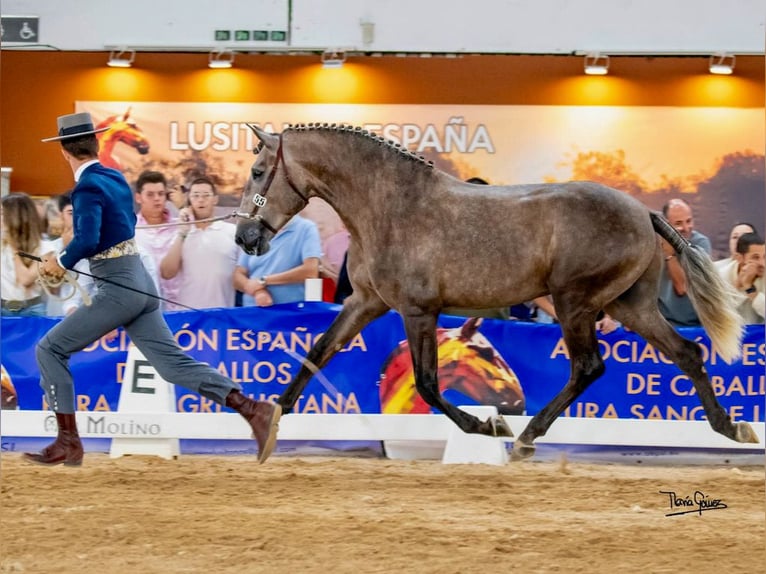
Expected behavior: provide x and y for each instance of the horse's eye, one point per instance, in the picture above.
(257, 172)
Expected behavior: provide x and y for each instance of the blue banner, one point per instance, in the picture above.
(517, 366)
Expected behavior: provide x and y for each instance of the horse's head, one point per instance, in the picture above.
(270, 196)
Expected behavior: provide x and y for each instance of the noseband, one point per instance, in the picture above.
(259, 199)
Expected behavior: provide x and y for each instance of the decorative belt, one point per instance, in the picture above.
(11, 305)
(127, 247)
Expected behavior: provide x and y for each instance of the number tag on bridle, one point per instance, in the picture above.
(259, 200)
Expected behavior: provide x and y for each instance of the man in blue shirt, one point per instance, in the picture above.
(674, 301)
(103, 229)
(278, 276)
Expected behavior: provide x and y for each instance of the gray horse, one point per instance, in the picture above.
(422, 240)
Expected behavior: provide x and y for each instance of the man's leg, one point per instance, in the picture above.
(153, 337)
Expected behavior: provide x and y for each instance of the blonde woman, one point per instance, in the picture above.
(21, 295)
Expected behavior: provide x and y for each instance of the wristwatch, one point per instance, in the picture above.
(262, 280)
(750, 290)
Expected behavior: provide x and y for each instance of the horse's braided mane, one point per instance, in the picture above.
(361, 132)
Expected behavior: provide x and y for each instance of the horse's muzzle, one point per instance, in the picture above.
(252, 237)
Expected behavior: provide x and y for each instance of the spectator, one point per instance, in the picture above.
(343, 288)
(151, 194)
(56, 299)
(22, 295)
(674, 302)
(738, 230)
(745, 273)
(278, 275)
(334, 251)
(205, 251)
(50, 218)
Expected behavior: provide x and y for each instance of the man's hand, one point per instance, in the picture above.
(606, 325)
(50, 267)
(748, 273)
(185, 215)
(263, 298)
(667, 249)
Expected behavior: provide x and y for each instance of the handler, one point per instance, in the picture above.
(104, 224)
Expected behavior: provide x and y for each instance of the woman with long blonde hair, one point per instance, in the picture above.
(21, 295)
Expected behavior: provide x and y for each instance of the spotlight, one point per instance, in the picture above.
(722, 64)
(596, 64)
(333, 58)
(122, 58)
(220, 59)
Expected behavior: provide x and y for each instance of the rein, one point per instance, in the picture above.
(259, 199)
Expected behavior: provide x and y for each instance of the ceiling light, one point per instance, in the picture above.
(596, 64)
(220, 59)
(333, 58)
(122, 58)
(721, 63)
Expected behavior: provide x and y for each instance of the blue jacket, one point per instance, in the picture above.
(102, 203)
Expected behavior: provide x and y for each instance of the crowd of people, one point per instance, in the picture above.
(195, 263)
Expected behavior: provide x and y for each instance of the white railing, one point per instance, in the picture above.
(370, 427)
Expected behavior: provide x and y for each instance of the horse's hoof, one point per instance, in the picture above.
(745, 433)
(500, 426)
(522, 450)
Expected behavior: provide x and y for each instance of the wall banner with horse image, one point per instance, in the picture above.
(631, 148)
(512, 365)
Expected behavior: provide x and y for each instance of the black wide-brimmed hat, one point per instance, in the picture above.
(74, 126)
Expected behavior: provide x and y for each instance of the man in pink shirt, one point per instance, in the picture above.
(151, 194)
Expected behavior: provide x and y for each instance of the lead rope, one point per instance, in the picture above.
(70, 277)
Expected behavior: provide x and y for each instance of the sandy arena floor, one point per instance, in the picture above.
(220, 514)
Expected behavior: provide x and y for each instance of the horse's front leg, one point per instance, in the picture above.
(358, 310)
(421, 335)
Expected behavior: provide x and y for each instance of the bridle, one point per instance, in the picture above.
(259, 199)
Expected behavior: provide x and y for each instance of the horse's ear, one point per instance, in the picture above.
(266, 137)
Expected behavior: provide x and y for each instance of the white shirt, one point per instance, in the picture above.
(752, 311)
(10, 289)
(207, 263)
(156, 242)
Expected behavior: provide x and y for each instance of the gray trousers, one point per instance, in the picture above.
(142, 319)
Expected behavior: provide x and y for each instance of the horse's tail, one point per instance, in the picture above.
(713, 298)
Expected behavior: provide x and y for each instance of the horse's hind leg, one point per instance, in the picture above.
(639, 312)
(421, 335)
(586, 366)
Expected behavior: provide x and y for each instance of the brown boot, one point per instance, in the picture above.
(263, 418)
(66, 449)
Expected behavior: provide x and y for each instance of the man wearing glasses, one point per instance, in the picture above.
(203, 252)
